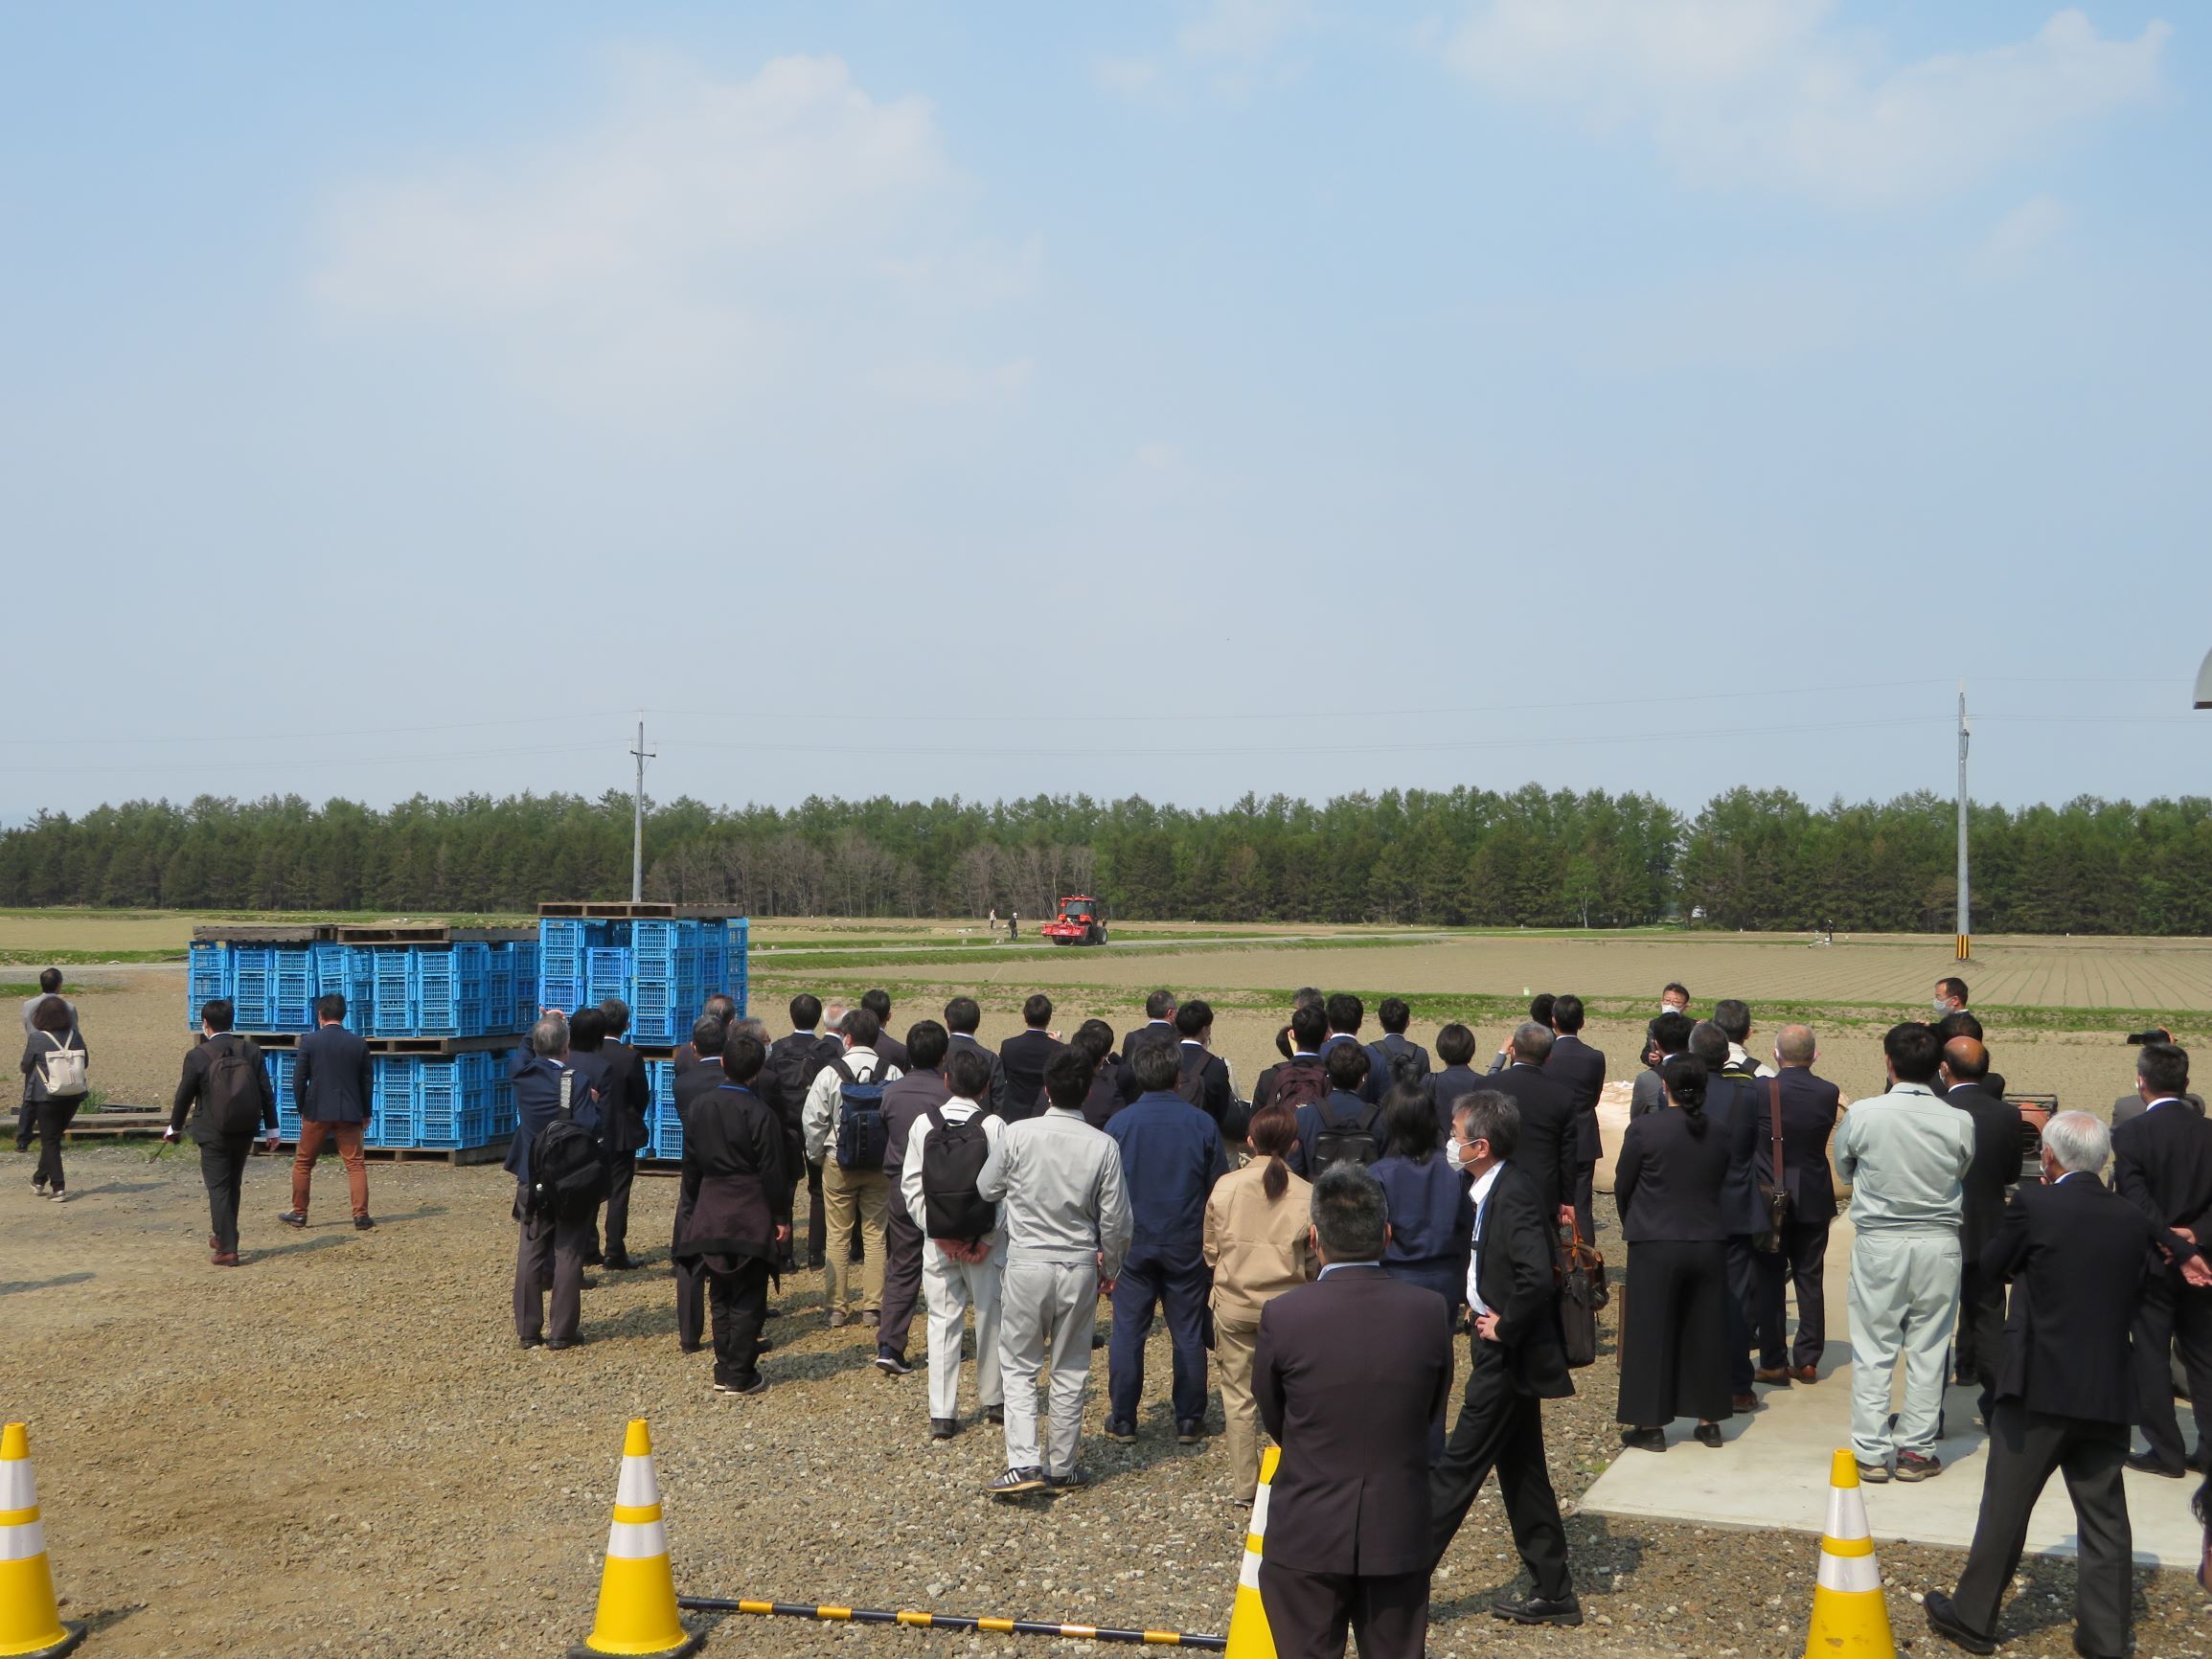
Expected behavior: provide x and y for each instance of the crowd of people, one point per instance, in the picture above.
(1315, 1246)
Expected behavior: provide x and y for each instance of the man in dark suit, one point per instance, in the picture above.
(888, 1048)
(1394, 1048)
(1159, 1027)
(2163, 1166)
(723, 1009)
(1447, 1088)
(1963, 1023)
(1346, 1014)
(549, 1249)
(225, 1077)
(2078, 1256)
(1978, 1348)
(1808, 1108)
(587, 1053)
(1548, 1137)
(1201, 1076)
(1517, 1361)
(905, 1100)
(1301, 1077)
(628, 1101)
(709, 1033)
(963, 1014)
(1582, 1070)
(797, 1057)
(334, 1094)
(1023, 1058)
(1349, 1372)
(1735, 1103)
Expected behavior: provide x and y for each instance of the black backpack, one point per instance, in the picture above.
(953, 1157)
(232, 1098)
(1190, 1079)
(863, 1137)
(796, 1067)
(567, 1173)
(1353, 1141)
(1300, 1083)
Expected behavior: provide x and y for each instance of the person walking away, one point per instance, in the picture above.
(710, 1035)
(55, 1061)
(1669, 1036)
(1258, 1246)
(737, 1204)
(1808, 1108)
(628, 1099)
(1345, 1126)
(2078, 1258)
(1737, 1107)
(846, 1134)
(1431, 1228)
(1667, 1182)
(1582, 1070)
(228, 1084)
(1201, 1076)
(1023, 1056)
(1068, 1229)
(49, 984)
(1978, 1347)
(964, 1252)
(551, 1236)
(1516, 1360)
(1906, 1155)
(333, 1092)
(1349, 1372)
(2163, 1166)
(920, 1087)
(963, 1017)
(1170, 1156)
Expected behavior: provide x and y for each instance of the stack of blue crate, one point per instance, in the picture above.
(665, 1131)
(664, 967)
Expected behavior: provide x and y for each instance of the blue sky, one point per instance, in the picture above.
(1182, 399)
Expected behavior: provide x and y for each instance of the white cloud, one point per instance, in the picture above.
(2016, 237)
(706, 236)
(1769, 92)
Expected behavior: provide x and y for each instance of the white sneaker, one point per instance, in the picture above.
(60, 1196)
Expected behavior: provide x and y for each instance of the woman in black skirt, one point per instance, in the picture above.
(1674, 1337)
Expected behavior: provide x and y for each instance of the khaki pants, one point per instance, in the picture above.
(312, 1136)
(1233, 1344)
(846, 1193)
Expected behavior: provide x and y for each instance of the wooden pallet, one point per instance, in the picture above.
(149, 1125)
(498, 1042)
(643, 909)
(432, 933)
(264, 933)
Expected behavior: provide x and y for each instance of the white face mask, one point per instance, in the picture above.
(1941, 1004)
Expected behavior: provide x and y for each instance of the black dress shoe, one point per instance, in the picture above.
(620, 1265)
(1539, 1610)
(944, 1427)
(1943, 1620)
(1709, 1433)
(364, 1224)
(2148, 1464)
(1643, 1439)
(994, 1414)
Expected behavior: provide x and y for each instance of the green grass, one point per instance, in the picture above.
(18, 957)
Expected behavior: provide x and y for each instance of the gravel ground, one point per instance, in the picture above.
(339, 1444)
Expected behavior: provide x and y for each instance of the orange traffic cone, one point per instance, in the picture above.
(1249, 1637)
(637, 1592)
(31, 1626)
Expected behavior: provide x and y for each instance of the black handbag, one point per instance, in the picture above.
(1583, 1291)
(1774, 1190)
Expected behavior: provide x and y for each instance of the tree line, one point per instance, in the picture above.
(1750, 858)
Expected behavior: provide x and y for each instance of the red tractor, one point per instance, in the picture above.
(1081, 920)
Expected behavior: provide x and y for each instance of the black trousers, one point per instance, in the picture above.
(741, 1304)
(1674, 1361)
(2172, 1316)
(1585, 1202)
(1742, 1311)
(222, 1165)
(1501, 1427)
(902, 1279)
(1766, 1314)
(691, 1288)
(53, 1118)
(1308, 1613)
(550, 1250)
(621, 1172)
(1804, 1259)
(2025, 1449)
(1979, 1342)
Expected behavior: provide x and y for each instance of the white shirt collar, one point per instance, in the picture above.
(2154, 1106)
(1484, 1183)
(1334, 1265)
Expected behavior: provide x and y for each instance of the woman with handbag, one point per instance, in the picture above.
(1667, 1181)
(54, 1063)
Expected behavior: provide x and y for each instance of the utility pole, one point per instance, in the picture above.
(637, 821)
(1965, 912)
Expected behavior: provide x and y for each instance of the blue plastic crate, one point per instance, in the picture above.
(253, 988)
(208, 978)
(667, 1136)
(607, 972)
(292, 993)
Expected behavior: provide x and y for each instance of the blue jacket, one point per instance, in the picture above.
(330, 1082)
(1431, 1223)
(1171, 1158)
(536, 1098)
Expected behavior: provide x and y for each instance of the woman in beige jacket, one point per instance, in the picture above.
(1256, 1244)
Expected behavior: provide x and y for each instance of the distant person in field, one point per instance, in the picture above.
(921, 1087)
(332, 1091)
(54, 1072)
(1810, 1106)
(1906, 1155)
(962, 1018)
(226, 1089)
(1669, 1036)
(1581, 1069)
(1023, 1056)
(49, 984)
(1978, 1349)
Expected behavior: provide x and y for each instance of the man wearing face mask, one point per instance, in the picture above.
(1673, 1000)
(1519, 1361)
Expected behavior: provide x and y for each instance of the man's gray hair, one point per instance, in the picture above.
(2079, 1142)
(755, 1028)
(1533, 1043)
(1709, 1043)
(549, 1038)
(1489, 1115)
(1351, 1214)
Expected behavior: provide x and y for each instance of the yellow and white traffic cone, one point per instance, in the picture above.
(1249, 1637)
(637, 1592)
(31, 1626)
(1850, 1618)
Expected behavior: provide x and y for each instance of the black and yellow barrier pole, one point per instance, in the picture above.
(950, 1622)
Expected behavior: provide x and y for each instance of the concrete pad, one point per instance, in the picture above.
(1773, 1472)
